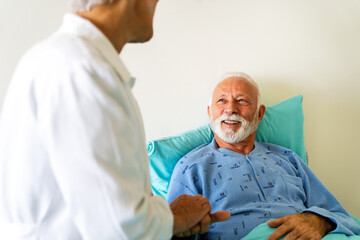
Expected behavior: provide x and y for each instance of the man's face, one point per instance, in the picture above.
(142, 22)
(233, 113)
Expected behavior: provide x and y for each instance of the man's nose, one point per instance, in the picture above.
(231, 108)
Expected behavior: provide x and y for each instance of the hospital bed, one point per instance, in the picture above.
(282, 125)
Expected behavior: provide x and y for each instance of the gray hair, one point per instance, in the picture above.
(239, 75)
(86, 5)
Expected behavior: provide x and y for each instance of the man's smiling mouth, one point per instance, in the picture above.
(230, 122)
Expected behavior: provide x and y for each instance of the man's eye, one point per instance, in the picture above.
(243, 101)
(221, 100)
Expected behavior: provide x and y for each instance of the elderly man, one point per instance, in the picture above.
(255, 181)
(73, 161)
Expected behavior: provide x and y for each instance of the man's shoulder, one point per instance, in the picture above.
(280, 151)
(195, 160)
(200, 151)
(273, 147)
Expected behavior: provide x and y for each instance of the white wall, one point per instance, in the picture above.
(22, 24)
(289, 47)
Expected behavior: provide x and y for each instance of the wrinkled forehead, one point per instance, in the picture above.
(236, 86)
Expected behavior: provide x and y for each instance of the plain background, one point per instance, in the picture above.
(289, 47)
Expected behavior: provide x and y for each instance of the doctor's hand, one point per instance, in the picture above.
(190, 211)
(301, 226)
(204, 224)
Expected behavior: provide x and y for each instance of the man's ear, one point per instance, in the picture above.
(208, 111)
(261, 113)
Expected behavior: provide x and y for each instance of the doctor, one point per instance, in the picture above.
(73, 162)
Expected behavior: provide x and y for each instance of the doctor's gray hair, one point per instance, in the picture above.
(239, 75)
(86, 5)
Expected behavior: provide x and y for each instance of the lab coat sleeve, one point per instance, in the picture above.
(95, 143)
(320, 201)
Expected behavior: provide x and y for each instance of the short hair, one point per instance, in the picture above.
(86, 5)
(239, 75)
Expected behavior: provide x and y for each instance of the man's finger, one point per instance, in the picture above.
(205, 223)
(204, 202)
(195, 229)
(277, 222)
(188, 211)
(179, 235)
(220, 216)
(187, 233)
(280, 231)
(294, 235)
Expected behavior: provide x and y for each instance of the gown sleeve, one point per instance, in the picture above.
(319, 200)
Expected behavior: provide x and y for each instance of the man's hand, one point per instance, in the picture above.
(300, 226)
(191, 213)
(204, 224)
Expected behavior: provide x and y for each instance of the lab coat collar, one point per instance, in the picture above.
(82, 27)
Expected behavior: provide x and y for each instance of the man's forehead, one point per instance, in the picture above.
(228, 94)
(235, 85)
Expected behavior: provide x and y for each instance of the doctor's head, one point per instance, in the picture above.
(122, 21)
(235, 108)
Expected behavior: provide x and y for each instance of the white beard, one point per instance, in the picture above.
(229, 135)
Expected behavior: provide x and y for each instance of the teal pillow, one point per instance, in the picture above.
(282, 125)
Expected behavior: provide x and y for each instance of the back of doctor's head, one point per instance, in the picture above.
(86, 5)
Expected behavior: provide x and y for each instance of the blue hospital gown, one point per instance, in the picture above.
(270, 182)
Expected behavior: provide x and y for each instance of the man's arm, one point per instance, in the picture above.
(324, 213)
(301, 225)
(179, 186)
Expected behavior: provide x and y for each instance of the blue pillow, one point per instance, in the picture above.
(282, 125)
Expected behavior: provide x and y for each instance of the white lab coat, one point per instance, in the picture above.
(73, 161)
